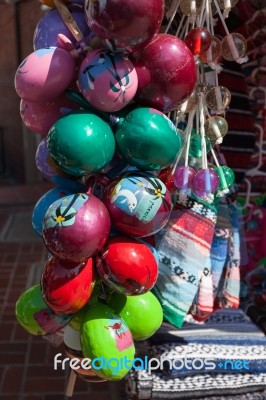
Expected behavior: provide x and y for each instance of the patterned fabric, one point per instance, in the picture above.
(184, 253)
(158, 386)
(227, 333)
(229, 291)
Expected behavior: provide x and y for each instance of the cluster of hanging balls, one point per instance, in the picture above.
(106, 142)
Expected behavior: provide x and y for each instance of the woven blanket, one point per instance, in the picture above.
(227, 333)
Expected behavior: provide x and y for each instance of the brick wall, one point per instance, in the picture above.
(15, 148)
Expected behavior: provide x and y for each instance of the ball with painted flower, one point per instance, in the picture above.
(139, 204)
(107, 80)
(75, 227)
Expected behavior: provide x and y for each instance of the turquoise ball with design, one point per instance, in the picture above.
(81, 143)
(147, 139)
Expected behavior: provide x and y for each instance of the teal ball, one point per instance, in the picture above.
(81, 143)
(147, 139)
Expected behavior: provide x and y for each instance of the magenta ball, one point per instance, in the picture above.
(76, 227)
(44, 75)
(51, 24)
(127, 24)
(40, 117)
(184, 177)
(139, 204)
(107, 80)
(166, 73)
(198, 40)
(206, 182)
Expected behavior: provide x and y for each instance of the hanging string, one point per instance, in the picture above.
(172, 16)
(187, 131)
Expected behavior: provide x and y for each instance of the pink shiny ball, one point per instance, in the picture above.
(206, 181)
(75, 227)
(184, 177)
(40, 117)
(44, 75)
(127, 24)
(166, 72)
(107, 80)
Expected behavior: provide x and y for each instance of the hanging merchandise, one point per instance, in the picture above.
(121, 92)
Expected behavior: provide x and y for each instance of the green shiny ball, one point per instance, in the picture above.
(195, 149)
(81, 143)
(227, 177)
(105, 334)
(143, 314)
(147, 139)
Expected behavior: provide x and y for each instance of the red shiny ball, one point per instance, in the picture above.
(128, 266)
(198, 40)
(67, 287)
(127, 24)
(166, 73)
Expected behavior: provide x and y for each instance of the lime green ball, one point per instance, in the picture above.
(143, 314)
(106, 338)
(81, 143)
(29, 303)
(227, 177)
(195, 149)
(147, 139)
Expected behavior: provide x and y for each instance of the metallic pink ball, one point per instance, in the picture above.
(127, 24)
(76, 227)
(166, 72)
(107, 80)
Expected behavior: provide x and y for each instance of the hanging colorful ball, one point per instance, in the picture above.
(128, 266)
(52, 24)
(81, 143)
(35, 316)
(205, 182)
(143, 314)
(39, 77)
(75, 227)
(184, 178)
(50, 170)
(198, 40)
(226, 176)
(213, 52)
(104, 335)
(216, 128)
(139, 204)
(147, 139)
(43, 204)
(107, 80)
(40, 117)
(128, 25)
(166, 73)
(234, 46)
(218, 99)
(195, 147)
(67, 287)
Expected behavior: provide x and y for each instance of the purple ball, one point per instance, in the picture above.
(205, 183)
(76, 227)
(51, 24)
(184, 177)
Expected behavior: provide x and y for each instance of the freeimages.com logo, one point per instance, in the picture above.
(151, 364)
